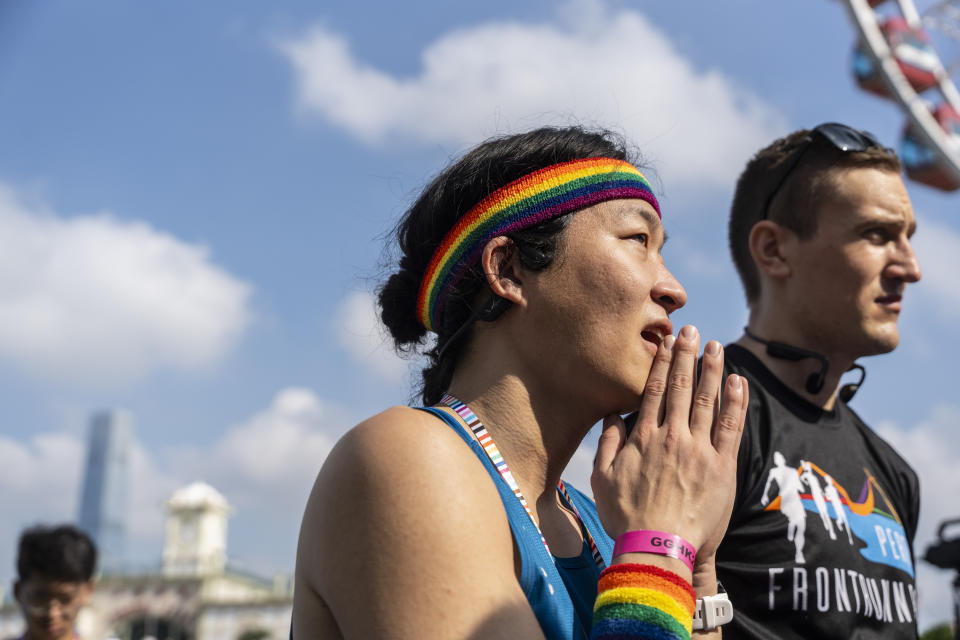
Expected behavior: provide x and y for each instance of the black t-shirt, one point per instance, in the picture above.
(820, 540)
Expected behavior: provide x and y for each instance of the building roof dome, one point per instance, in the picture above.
(196, 496)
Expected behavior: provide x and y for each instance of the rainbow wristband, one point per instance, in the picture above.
(659, 542)
(641, 601)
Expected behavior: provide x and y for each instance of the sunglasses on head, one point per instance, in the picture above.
(842, 137)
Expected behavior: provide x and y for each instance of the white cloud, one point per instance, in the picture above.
(360, 332)
(588, 65)
(40, 476)
(265, 466)
(97, 300)
(268, 462)
(938, 249)
(923, 446)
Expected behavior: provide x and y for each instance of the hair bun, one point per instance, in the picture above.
(397, 300)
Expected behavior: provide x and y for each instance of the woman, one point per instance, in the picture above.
(535, 259)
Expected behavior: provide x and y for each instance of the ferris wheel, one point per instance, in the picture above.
(900, 56)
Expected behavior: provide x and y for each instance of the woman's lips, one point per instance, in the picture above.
(890, 303)
(653, 337)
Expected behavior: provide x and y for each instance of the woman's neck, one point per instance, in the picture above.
(535, 439)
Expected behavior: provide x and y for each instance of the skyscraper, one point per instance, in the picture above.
(103, 504)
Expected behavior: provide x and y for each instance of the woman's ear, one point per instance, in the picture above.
(500, 265)
(769, 245)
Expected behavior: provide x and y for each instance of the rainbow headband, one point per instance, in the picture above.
(536, 197)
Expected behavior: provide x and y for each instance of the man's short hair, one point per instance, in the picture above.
(797, 203)
(62, 553)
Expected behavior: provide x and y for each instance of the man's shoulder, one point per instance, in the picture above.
(743, 363)
(739, 360)
(882, 448)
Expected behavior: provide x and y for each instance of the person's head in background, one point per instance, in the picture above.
(55, 570)
(820, 232)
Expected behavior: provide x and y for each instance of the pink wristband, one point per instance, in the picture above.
(659, 542)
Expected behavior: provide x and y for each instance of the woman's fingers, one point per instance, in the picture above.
(612, 437)
(706, 399)
(733, 412)
(744, 405)
(674, 396)
(682, 376)
(656, 388)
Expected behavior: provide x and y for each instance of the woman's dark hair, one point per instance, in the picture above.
(62, 553)
(449, 196)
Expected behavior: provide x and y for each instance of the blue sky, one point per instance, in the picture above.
(193, 200)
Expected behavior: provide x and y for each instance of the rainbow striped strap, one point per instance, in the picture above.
(534, 198)
(642, 601)
(490, 448)
(493, 453)
(594, 550)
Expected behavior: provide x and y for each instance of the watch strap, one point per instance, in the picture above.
(712, 611)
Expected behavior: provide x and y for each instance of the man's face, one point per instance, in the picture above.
(50, 607)
(848, 279)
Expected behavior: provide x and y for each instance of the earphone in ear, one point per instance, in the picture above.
(493, 308)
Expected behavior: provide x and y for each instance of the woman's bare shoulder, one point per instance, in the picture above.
(401, 506)
(400, 466)
(402, 450)
(399, 437)
(401, 494)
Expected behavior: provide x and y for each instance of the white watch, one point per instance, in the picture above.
(712, 611)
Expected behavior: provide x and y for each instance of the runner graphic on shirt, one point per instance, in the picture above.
(871, 523)
(788, 484)
(808, 478)
(831, 493)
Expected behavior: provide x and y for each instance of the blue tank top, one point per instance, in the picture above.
(561, 591)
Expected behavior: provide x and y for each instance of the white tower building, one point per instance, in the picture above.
(196, 535)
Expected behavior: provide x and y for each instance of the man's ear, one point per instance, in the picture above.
(500, 265)
(770, 247)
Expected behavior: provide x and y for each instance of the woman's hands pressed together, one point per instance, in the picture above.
(676, 471)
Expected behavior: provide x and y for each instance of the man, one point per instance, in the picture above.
(820, 233)
(55, 567)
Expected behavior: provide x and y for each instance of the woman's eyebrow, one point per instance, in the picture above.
(629, 211)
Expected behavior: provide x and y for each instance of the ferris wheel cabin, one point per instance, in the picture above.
(913, 51)
(922, 163)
